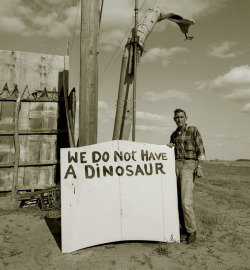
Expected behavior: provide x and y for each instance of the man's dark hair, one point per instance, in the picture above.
(178, 111)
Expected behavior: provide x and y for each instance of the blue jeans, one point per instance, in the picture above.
(185, 184)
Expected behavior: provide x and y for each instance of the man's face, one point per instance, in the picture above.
(180, 119)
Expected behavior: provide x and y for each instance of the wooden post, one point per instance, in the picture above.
(88, 98)
(72, 109)
(17, 144)
(66, 102)
(118, 131)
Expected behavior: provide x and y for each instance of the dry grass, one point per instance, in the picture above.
(223, 202)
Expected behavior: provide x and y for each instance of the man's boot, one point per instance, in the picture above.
(191, 237)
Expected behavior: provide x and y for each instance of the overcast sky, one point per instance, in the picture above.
(209, 77)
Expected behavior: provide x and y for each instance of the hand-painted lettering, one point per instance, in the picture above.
(82, 157)
(159, 167)
(89, 171)
(70, 171)
(96, 156)
(72, 158)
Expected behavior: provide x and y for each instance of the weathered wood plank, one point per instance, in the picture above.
(27, 164)
(25, 187)
(35, 70)
(40, 99)
(37, 193)
(33, 131)
(23, 116)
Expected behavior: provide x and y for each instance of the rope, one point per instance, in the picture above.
(75, 27)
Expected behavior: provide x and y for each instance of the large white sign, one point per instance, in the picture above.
(118, 190)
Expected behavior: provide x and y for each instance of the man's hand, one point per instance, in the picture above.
(170, 145)
(199, 172)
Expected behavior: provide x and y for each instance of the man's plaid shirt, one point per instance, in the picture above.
(188, 143)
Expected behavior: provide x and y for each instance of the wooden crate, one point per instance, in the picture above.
(36, 82)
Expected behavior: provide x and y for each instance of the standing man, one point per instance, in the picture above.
(189, 153)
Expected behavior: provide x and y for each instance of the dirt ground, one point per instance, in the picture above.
(222, 206)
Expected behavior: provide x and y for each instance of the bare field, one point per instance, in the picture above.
(222, 206)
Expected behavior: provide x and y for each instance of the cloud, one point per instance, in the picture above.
(102, 105)
(152, 128)
(163, 56)
(233, 85)
(11, 17)
(152, 122)
(55, 18)
(37, 18)
(200, 85)
(194, 8)
(110, 40)
(150, 116)
(240, 95)
(12, 26)
(222, 50)
(236, 77)
(246, 108)
(167, 95)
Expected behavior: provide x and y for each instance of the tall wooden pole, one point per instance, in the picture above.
(88, 98)
(135, 69)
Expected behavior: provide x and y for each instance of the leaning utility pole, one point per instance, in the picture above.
(135, 69)
(126, 101)
(88, 98)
